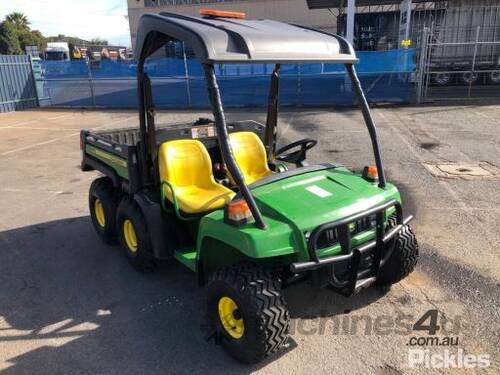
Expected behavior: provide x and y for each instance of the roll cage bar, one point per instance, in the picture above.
(206, 38)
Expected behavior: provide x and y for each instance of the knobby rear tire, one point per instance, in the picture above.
(142, 258)
(102, 189)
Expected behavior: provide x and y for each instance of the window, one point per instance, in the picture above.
(158, 3)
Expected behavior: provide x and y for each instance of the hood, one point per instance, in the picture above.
(319, 197)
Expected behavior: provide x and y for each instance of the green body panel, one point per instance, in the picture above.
(114, 161)
(186, 257)
(294, 206)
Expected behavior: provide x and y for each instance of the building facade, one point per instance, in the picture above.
(376, 25)
(292, 11)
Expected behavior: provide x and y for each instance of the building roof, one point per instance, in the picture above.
(323, 4)
(227, 40)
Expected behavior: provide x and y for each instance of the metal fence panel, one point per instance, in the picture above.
(460, 53)
(17, 84)
(445, 74)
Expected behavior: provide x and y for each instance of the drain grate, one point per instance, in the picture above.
(481, 170)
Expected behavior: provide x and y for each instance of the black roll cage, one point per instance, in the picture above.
(148, 152)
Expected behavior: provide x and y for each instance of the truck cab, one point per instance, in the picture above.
(57, 51)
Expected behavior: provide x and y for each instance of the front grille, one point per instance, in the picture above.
(329, 237)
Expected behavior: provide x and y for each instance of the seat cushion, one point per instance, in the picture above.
(250, 154)
(186, 165)
(194, 199)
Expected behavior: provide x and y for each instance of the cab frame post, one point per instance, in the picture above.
(365, 109)
(272, 113)
(225, 146)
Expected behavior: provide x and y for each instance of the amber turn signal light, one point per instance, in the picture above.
(370, 173)
(237, 212)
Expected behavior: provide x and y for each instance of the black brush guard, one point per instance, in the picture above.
(378, 248)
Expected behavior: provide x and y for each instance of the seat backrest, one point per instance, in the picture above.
(185, 162)
(250, 154)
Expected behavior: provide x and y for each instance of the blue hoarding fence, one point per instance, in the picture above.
(386, 76)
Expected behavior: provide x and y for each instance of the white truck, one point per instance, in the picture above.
(57, 51)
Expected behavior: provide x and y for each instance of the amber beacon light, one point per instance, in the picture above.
(222, 13)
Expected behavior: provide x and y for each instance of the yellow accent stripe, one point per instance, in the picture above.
(111, 157)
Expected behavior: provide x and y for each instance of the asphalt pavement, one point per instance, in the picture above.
(69, 304)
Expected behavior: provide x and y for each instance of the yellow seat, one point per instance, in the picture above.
(186, 166)
(250, 154)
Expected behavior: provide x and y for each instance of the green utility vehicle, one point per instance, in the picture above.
(218, 197)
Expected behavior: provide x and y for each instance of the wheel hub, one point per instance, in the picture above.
(99, 213)
(442, 78)
(495, 77)
(230, 317)
(470, 77)
(130, 235)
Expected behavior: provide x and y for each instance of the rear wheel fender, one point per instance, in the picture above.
(162, 231)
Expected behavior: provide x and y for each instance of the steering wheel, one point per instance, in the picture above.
(296, 157)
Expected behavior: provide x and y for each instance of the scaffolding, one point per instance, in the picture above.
(457, 41)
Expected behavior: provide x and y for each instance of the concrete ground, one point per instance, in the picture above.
(69, 304)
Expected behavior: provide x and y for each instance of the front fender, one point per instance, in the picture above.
(277, 240)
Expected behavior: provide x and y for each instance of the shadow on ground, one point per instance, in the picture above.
(78, 307)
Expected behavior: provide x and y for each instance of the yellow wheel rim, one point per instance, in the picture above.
(99, 213)
(230, 317)
(130, 236)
